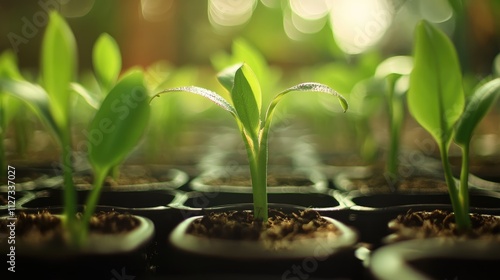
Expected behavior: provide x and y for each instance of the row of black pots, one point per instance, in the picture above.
(367, 213)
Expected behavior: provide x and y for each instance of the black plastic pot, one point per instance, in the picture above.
(104, 256)
(186, 258)
(437, 258)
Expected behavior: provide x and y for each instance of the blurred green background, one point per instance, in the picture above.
(289, 33)
(336, 42)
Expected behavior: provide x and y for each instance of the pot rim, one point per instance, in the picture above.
(256, 250)
(401, 253)
(98, 243)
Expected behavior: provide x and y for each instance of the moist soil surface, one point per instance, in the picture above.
(33, 227)
(280, 226)
(441, 223)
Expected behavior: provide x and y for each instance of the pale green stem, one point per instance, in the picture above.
(70, 201)
(257, 155)
(464, 179)
(93, 198)
(461, 214)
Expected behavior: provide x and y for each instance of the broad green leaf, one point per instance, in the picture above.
(58, 65)
(435, 97)
(247, 99)
(478, 106)
(304, 87)
(119, 123)
(107, 60)
(35, 98)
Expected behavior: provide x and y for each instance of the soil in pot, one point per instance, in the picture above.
(441, 223)
(428, 245)
(282, 246)
(40, 246)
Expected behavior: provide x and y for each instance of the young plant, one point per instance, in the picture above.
(436, 100)
(114, 131)
(9, 106)
(245, 92)
(394, 72)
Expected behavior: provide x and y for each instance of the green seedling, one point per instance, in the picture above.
(119, 121)
(394, 71)
(436, 100)
(245, 92)
(114, 132)
(9, 106)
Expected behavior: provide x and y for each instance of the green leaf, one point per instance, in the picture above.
(85, 94)
(247, 99)
(9, 106)
(35, 98)
(8, 66)
(119, 123)
(496, 65)
(478, 106)
(305, 87)
(401, 65)
(107, 61)
(435, 97)
(58, 65)
(212, 96)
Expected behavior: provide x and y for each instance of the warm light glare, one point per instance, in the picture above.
(155, 10)
(226, 13)
(310, 9)
(74, 9)
(436, 10)
(357, 25)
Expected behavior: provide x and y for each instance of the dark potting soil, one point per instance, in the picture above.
(279, 228)
(441, 223)
(33, 227)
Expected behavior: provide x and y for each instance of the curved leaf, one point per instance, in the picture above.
(85, 94)
(435, 97)
(401, 65)
(480, 103)
(35, 97)
(107, 61)
(58, 66)
(308, 87)
(212, 96)
(119, 123)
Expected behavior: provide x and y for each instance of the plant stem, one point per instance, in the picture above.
(70, 203)
(464, 179)
(3, 134)
(91, 203)
(461, 214)
(257, 155)
(396, 113)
